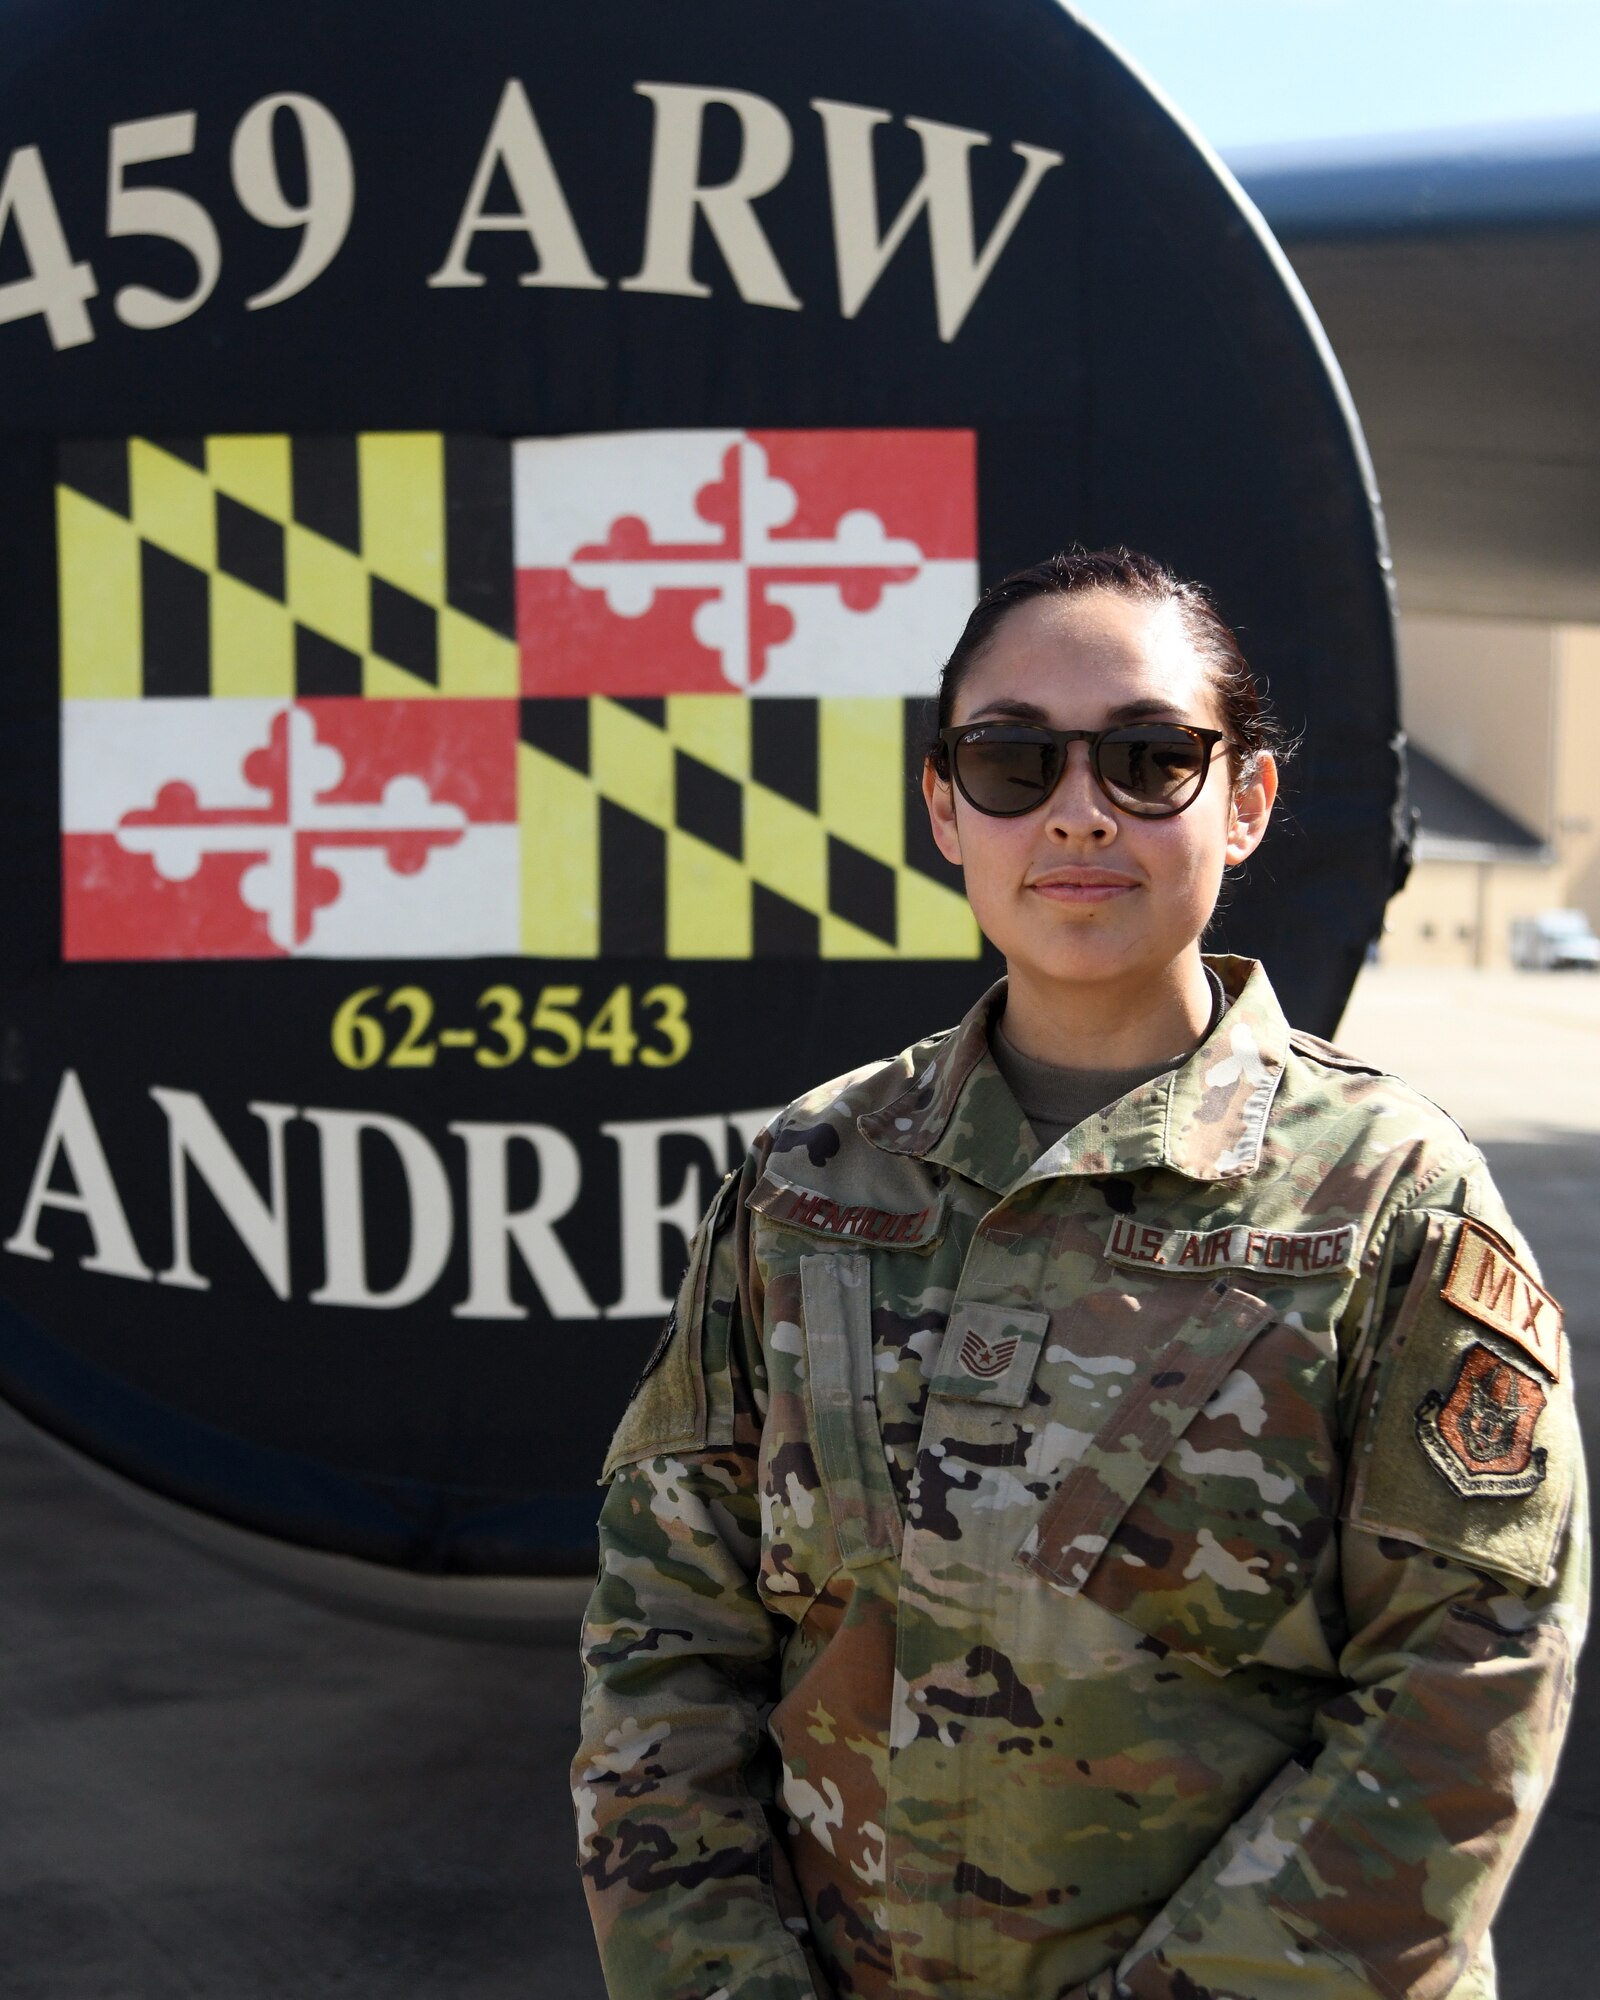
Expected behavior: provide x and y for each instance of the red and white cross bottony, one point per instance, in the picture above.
(262, 829)
(755, 562)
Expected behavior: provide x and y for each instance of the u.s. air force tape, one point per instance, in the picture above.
(1288, 1252)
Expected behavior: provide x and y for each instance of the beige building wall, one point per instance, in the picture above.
(1480, 694)
(1513, 707)
(1434, 919)
(1460, 912)
(1577, 766)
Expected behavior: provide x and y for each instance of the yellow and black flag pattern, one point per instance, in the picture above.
(717, 826)
(238, 577)
(285, 567)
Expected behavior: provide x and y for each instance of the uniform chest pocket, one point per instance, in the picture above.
(1197, 1511)
(827, 1498)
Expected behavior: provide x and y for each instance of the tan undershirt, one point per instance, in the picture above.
(1054, 1098)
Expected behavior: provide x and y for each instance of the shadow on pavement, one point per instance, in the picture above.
(217, 1791)
(1548, 1934)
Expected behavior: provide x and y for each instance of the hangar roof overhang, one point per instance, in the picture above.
(1459, 283)
(1456, 822)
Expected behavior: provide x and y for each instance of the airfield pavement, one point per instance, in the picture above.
(213, 1791)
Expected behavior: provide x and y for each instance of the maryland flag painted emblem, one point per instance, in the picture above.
(403, 695)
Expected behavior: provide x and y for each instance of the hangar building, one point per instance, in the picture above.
(1459, 283)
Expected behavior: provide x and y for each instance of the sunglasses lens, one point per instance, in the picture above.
(1151, 769)
(1006, 768)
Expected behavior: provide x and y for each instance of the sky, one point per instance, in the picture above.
(1276, 74)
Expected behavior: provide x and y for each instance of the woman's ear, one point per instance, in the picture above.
(941, 799)
(1252, 807)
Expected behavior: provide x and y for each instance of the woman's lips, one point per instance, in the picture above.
(1082, 885)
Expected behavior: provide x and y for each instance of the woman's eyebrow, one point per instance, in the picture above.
(1140, 711)
(1021, 711)
(1128, 711)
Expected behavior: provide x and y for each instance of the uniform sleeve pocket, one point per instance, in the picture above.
(1467, 1440)
(668, 1410)
(1176, 1541)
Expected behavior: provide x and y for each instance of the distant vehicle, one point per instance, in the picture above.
(1554, 941)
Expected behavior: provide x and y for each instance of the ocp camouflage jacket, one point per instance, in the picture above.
(1153, 1568)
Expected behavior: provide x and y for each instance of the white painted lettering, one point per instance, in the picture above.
(960, 269)
(146, 210)
(677, 196)
(541, 214)
(646, 1209)
(659, 1203)
(344, 1230)
(494, 1227)
(72, 1139)
(55, 289)
(194, 1139)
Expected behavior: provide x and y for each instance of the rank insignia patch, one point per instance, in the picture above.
(1479, 1438)
(1494, 1288)
(989, 1354)
(984, 1358)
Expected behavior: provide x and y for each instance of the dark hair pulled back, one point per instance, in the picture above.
(1247, 717)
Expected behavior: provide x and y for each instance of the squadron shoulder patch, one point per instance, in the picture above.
(1492, 1287)
(1479, 1438)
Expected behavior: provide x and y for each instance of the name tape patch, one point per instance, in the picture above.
(856, 1221)
(1493, 1288)
(1288, 1252)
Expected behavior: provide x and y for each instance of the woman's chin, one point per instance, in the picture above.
(1082, 961)
(1091, 947)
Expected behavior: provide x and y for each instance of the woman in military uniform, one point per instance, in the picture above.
(1106, 1518)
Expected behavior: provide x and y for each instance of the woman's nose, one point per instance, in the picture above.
(1077, 808)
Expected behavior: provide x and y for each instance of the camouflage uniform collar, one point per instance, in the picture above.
(1206, 1119)
(958, 1110)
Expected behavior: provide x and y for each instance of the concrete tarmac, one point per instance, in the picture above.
(215, 1792)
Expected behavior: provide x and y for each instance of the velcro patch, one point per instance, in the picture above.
(1288, 1252)
(1480, 1436)
(1461, 1445)
(653, 1360)
(854, 1222)
(1493, 1287)
(989, 1353)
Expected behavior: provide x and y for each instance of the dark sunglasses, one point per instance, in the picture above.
(1152, 770)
